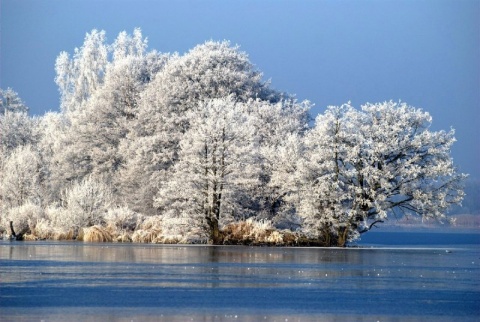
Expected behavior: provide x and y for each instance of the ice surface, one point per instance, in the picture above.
(54, 280)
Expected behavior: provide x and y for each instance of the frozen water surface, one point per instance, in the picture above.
(58, 281)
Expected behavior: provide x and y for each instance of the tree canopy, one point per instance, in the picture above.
(164, 147)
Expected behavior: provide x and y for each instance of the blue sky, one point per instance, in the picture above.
(425, 53)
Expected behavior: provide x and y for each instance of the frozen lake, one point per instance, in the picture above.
(59, 281)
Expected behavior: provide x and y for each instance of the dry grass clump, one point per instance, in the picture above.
(183, 228)
(197, 235)
(119, 236)
(170, 240)
(122, 222)
(275, 238)
(95, 234)
(122, 238)
(29, 237)
(237, 233)
(147, 236)
(151, 222)
(150, 231)
(251, 232)
(45, 231)
(60, 234)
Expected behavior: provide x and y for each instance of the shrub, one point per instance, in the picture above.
(122, 219)
(46, 230)
(86, 203)
(24, 218)
(57, 216)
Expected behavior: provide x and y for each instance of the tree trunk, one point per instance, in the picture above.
(16, 236)
(342, 236)
(215, 235)
(12, 231)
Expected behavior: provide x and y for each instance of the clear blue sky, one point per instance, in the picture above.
(425, 53)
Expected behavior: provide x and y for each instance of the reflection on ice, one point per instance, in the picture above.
(180, 281)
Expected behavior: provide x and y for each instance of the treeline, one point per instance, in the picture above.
(197, 148)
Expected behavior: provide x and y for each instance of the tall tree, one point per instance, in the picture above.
(53, 146)
(101, 117)
(218, 162)
(280, 127)
(79, 77)
(363, 165)
(211, 70)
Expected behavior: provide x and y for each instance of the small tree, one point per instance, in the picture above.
(16, 127)
(21, 177)
(11, 102)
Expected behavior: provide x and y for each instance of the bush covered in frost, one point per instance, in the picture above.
(24, 218)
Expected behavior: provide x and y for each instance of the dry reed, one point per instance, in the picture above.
(251, 232)
(151, 235)
(96, 234)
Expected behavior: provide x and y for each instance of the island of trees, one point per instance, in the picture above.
(197, 148)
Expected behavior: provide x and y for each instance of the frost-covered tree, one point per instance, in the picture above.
(407, 163)
(86, 204)
(105, 118)
(363, 165)
(21, 178)
(280, 187)
(208, 71)
(18, 133)
(53, 144)
(322, 189)
(144, 167)
(211, 70)
(126, 45)
(218, 162)
(198, 142)
(22, 170)
(16, 127)
(112, 111)
(279, 127)
(11, 102)
(80, 76)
